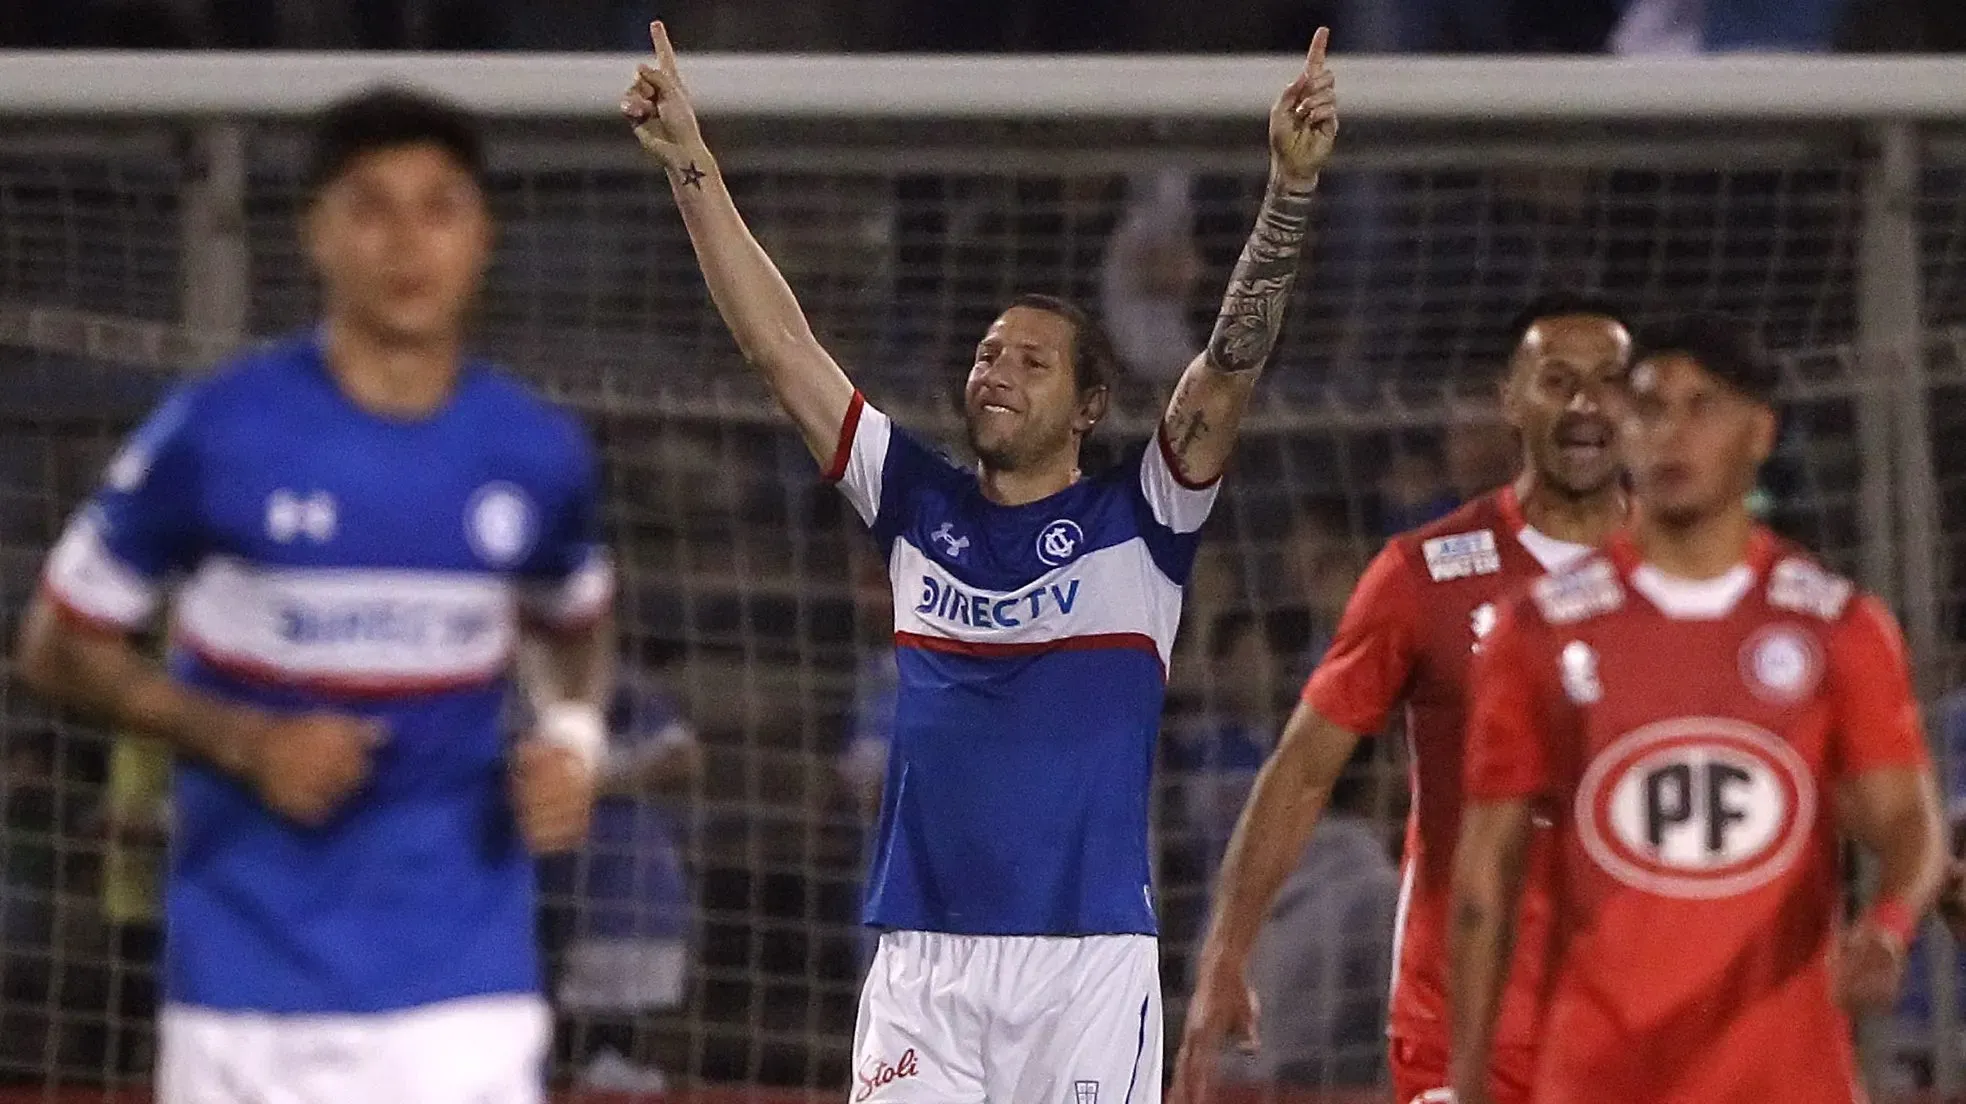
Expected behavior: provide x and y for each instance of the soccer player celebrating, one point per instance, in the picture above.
(1408, 635)
(1035, 609)
(1702, 711)
(371, 529)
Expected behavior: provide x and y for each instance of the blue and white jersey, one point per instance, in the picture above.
(1032, 645)
(334, 559)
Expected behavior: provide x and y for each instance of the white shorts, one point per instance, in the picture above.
(483, 1050)
(1009, 1019)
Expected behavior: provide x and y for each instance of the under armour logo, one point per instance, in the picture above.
(946, 537)
(1059, 541)
(290, 515)
(1482, 622)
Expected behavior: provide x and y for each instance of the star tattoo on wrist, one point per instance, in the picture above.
(693, 177)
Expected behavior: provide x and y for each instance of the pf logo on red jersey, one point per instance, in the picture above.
(1696, 807)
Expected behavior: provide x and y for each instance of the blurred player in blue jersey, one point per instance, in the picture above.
(1034, 612)
(371, 531)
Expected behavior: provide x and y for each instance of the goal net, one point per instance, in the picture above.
(753, 614)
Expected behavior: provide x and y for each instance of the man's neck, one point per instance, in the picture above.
(1016, 488)
(1702, 549)
(1579, 519)
(394, 380)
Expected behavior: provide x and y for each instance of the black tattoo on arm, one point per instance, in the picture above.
(1259, 291)
(693, 177)
(1186, 429)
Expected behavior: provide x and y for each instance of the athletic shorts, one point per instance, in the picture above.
(1009, 1019)
(482, 1050)
(1419, 1069)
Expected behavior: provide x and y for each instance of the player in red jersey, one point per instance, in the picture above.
(1703, 711)
(1407, 636)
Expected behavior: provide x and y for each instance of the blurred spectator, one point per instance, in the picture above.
(1213, 755)
(1322, 563)
(624, 900)
(1414, 489)
(863, 763)
(1481, 451)
(1915, 1026)
(1425, 26)
(1322, 963)
(134, 820)
(997, 26)
(1684, 27)
(1148, 278)
(28, 855)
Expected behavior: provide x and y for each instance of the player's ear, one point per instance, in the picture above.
(1767, 427)
(1508, 392)
(1092, 408)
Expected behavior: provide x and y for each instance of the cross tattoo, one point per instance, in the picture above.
(693, 177)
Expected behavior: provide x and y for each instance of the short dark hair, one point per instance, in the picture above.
(1557, 304)
(385, 118)
(1725, 348)
(1094, 361)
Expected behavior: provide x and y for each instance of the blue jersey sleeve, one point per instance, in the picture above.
(141, 527)
(1171, 510)
(883, 470)
(569, 579)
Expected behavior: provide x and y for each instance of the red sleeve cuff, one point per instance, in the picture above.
(1325, 697)
(843, 451)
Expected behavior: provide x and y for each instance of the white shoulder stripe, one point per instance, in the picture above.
(866, 463)
(83, 573)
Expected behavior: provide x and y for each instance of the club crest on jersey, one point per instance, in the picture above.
(1696, 808)
(291, 516)
(501, 524)
(945, 535)
(1462, 555)
(1781, 664)
(1059, 542)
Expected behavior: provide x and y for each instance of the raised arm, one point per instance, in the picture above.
(1206, 410)
(1290, 795)
(754, 299)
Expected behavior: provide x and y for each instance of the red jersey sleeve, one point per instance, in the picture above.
(1507, 755)
(1364, 673)
(1877, 723)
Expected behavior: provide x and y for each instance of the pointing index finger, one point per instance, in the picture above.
(664, 53)
(1314, 61)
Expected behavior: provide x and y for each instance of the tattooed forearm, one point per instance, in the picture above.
(1253, 308)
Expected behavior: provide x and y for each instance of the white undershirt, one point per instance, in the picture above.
(1553, 554)
(1694, 599)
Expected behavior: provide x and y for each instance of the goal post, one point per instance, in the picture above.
(148, 209)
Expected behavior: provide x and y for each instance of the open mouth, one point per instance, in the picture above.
(1583, 440)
